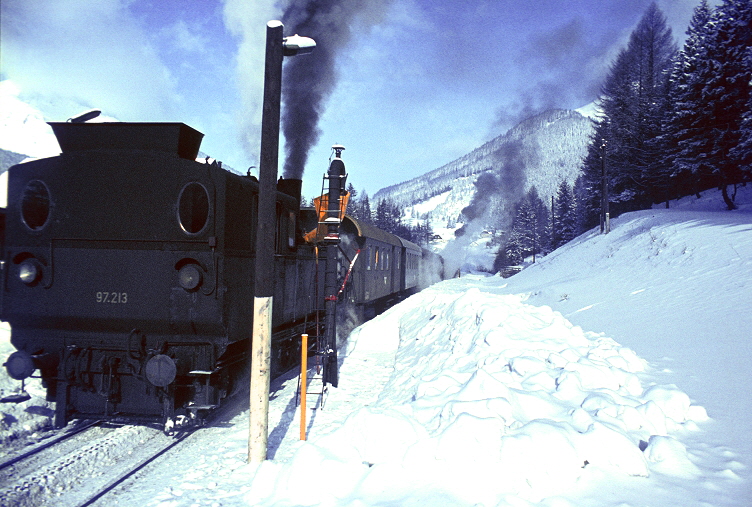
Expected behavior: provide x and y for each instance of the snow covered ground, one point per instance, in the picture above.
(613, 372)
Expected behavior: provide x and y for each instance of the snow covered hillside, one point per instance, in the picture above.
(22, 128)
(613, 372)
(541, 151)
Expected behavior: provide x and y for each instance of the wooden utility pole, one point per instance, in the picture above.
(267, 221)
(277, 48)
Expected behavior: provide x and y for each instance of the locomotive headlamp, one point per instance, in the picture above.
(30, 271)
(189, 277)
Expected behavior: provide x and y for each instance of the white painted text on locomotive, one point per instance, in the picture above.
(112, 297)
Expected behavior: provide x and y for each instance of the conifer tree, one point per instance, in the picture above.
(564, 216)
(389, 218)
(383, 219)
(366, 214)
(360, 206)
(542, 224)
(529, 234)
(727, 90)
(631, 103)
(580, 197)
(655, 53)
(743, 151)
(352, 204)
(686, 136)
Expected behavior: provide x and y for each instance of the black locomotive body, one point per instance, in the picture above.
(128, 278)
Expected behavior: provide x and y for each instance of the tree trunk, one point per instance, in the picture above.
(729, 203)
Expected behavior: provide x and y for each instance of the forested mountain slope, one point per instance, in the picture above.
(542, 151)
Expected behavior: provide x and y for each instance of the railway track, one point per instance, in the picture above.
(80, 469)
(44, 445)
(81, 466)
(130, 472)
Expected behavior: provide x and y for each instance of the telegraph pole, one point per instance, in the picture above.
(276, 48)
(605, 215)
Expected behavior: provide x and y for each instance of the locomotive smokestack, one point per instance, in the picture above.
(290, 186)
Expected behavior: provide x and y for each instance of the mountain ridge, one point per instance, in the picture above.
(566, 131)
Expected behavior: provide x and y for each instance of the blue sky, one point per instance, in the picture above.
(419, 84)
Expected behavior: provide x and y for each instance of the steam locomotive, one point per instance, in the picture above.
(128, 273)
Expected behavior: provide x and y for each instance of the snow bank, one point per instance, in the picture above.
(490, 397)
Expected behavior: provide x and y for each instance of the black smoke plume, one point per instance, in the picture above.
(310, 80)
(495, 189)
(498, 189)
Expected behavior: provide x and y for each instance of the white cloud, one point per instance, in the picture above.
(247, 21)
(186, 38)
(68, 54)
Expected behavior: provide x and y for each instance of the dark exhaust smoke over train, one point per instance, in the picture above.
(310, 80)
(498, 190)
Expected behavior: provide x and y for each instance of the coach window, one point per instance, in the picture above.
(368, 258)
(376, 259)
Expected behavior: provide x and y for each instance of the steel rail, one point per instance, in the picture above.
(46, 445)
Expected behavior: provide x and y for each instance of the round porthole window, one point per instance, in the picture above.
(193, 208)
(35, 205)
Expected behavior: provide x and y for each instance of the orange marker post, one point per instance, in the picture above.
(303, 385)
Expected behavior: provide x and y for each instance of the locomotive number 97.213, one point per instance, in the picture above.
(112, 297)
